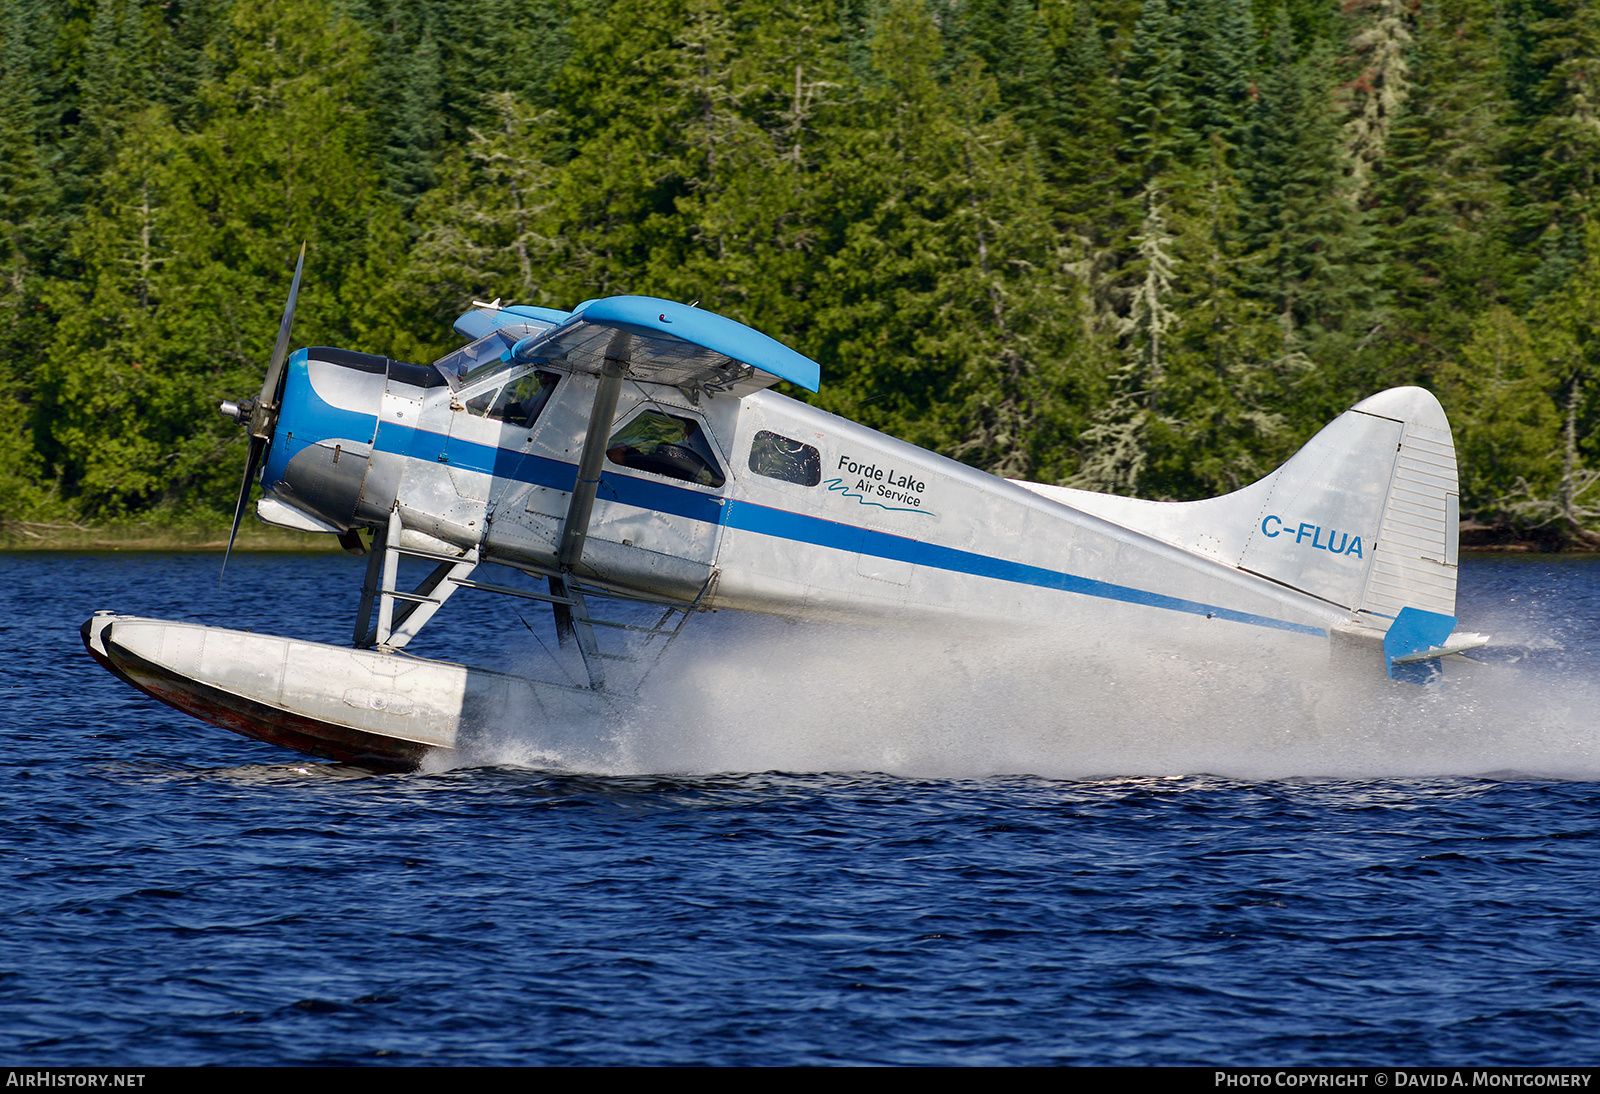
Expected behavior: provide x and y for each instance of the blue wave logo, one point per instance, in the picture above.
(861, 499)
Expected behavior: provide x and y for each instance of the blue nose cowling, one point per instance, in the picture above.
(322, 443)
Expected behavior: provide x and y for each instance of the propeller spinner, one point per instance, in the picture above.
(261, 413)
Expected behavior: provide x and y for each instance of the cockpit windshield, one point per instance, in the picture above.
(492, 352)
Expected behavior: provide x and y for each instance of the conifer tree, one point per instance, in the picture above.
(407, 115)
(27, 193)
(758, 225)
(28, 200)
(1554, 75)
(185, 260)
(283, 156)
(1526, 407)
(1309, 236)
(490, 228)
(1103, 238)
(119, 79)
(950, 323)
(1438, 197)
(115, 356)
(1219, 73)
(1080, 163)
(1154, 127)
(1012, 40)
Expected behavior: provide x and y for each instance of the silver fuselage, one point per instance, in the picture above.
(890, 529)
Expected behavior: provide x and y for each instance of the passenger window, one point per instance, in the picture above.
(519, 402)
(667, 445)
(778, 457)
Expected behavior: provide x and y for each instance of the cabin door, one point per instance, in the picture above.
(658, 512)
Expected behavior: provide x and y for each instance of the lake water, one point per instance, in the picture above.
(1396, 878)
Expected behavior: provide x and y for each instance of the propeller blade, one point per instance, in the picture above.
(273, 384)
(257, 446)
(264, 412)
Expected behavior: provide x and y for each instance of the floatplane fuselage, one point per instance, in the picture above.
(632, 451)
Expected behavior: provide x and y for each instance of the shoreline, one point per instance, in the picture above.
(28, 537)
(37, 536)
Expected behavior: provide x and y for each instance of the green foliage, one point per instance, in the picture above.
(1438, 197)
(1529, 409)
(953, 318)
(184, 257)
(1553, 71)
(1502, 402)
(1143, 246)
(488, 226)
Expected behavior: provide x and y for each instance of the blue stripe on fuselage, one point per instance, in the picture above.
(799, 528)
(823, 533)
(507, 463)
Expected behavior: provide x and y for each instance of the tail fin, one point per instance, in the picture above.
(1364, 516)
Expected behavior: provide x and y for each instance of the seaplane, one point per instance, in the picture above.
(630, 459)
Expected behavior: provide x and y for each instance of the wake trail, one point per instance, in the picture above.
(741, 693)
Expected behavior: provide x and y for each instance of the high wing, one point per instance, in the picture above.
(663, 342)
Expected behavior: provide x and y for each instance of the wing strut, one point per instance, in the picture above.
(575, 528)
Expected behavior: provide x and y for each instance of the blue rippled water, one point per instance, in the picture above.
(177, 895)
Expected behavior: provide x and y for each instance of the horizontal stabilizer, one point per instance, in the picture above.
(1417, 639)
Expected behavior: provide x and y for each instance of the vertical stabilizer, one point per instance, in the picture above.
(1364, 516)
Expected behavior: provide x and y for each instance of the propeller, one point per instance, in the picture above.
(261, 414)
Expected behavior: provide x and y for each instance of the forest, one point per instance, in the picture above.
(1147, 248)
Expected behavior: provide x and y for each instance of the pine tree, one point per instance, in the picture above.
(1155, 132)
(1012, 40)
(1554, 76)
(1080, 163)
(1155, 114)
(114, 358)
(1308, 236)
(186, 256)
(951, 321)
(27, 193)
(1219, 74)
(1525, 402)
(756, 227)
(283, 156)
(1437, 198)
(490, 228)
(28, 237)
(119, 78)
(407, 115)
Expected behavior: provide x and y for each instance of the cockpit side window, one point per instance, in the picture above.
(778, 457)
(667, 445)
(517, 403)
(522, 399)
